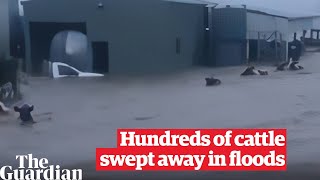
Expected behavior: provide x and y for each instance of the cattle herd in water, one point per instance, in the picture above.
(251, 71)
(25, 110)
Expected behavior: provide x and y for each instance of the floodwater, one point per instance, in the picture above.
(75, 116)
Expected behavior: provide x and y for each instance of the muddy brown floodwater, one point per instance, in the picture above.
(76, 116)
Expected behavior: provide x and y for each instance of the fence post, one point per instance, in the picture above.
(258, 55)
(45, 68)
(50, 69)
(287, 51)
(276, 44)
(281, 49)
(19, 76)
(248, 51)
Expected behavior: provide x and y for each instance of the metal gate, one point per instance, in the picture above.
(267, 47)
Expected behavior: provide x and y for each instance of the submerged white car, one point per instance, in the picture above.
(60, 70)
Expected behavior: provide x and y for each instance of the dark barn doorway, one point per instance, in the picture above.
(253, 50)
(41, 35)
(100, 53)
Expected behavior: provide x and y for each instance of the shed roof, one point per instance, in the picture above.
(268, 11)
(256, 10)
(193, 1)
(304, 17)
(206, 2)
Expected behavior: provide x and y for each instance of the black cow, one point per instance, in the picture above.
(251, 70)
(25, 113)
(212, 81)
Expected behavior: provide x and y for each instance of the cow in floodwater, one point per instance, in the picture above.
(25, 113)
(212, 81)
(251, 70)
(291, 65)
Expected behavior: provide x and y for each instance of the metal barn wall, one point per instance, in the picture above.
(4, 28)
(17, 43)
(142, 34)
(266, 23)
(228, 37)
(264, 29)
(298, 25)
(229, 23)
(316, 23)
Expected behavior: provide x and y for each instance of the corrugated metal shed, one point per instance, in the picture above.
(299, 24)
(141, 36)
(316, 23)
(192, 1)
(4, 30)
(237, 30)
(275, 8)
(265, 24)
(228, 32)
(229, 24)
(262, 21)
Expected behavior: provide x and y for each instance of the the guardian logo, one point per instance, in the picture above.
(38, 169)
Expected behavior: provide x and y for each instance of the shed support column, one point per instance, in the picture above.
(287, 51)
(276, 43)
(258, 48)
(248, 50)
(28, 61)
(281, 50)
(210, 38)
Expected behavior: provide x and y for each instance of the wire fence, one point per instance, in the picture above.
(266, 47)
